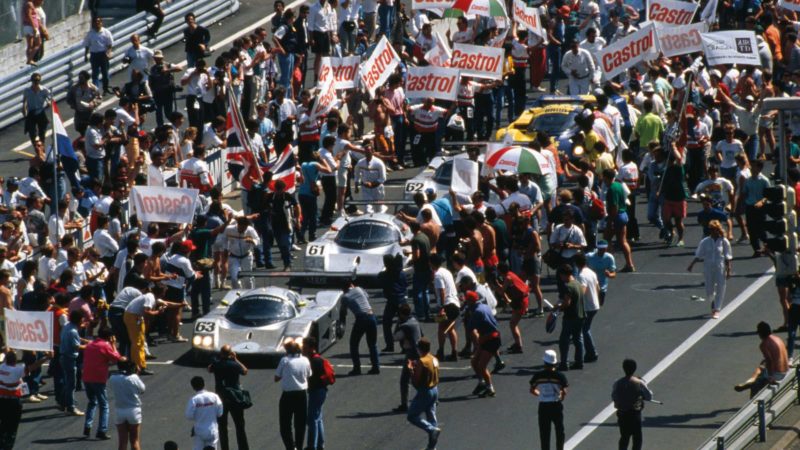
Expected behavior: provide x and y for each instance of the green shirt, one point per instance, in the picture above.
(615, 196)
(202, 239)
(649, 128)
(574, 290)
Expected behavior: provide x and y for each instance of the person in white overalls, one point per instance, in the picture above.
(371, 175)
(240, 240)
(716, 253)
(203, 410)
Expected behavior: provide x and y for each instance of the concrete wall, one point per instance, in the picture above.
(62, 35)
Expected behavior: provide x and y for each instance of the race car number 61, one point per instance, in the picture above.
(413, 187)
(315, 250)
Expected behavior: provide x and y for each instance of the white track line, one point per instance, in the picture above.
(350, 366)
(679, 351)
(228, 40)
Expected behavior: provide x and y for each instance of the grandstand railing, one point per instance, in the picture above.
(60, 70)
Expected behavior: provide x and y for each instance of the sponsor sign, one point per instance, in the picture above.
(344, 71)
(527, 17)
(379, 66)
(628, 51)
(29, 330)
(680, 40)
(432, 4)
(436, 82)
(792, 5)
(465, 176)
(440, 54)
(673, 12)
(731, 47)
(164, 204)
(325, 100)
(478, 61)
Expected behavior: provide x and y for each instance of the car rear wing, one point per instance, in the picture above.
(301, 278)
(352, 205)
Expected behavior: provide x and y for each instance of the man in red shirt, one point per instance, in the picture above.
(773, 367)
(98, 355)
(516, 293)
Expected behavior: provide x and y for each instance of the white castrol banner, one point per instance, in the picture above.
(478, 61)
(344, 71)
(432, 4)
(429, 81)
(527, 17)
(325, 99)
(628, 51)
(673, 12)
(164, 204)
(440, 54)
(379, 66)
(680, 40)
(731, 47)
(29, 330)
(792, 5)
(465, 176)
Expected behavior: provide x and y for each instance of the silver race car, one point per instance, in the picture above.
(437, 176)
(258, 322)
(366, 237)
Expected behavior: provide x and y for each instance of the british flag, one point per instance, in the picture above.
(284, 169)
(242, 161)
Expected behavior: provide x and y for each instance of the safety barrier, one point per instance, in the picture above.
(751, 422)
(60, 70)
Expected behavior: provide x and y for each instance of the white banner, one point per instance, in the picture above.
(792, 5)
(673, 12)
(628, 51)
(440, 54)
(29, 330)
(478, 61)
(465, 176)
(325, 100)
(344, 71)
(432, 4)
(680, 40)
(164, 204)
(731, 47)
(429, 81)
(527, 17)
(379, 66)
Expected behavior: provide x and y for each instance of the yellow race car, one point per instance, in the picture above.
(551, 114)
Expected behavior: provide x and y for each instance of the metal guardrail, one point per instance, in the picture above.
(60, 70)
(751, 422)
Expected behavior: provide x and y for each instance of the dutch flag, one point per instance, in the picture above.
(62, 141)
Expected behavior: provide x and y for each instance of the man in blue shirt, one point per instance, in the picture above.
(71, 344)
(604, 265)
(753, 194)
(709, 213)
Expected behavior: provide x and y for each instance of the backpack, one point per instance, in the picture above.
(597, 209)
(328, 376)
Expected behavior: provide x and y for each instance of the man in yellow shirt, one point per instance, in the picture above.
(425, 378)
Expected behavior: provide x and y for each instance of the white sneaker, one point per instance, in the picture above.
(296, 248)
(33, 399)
(41, 397)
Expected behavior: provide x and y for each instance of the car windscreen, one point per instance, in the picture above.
(367, 234)
(552, 124)
(444, 173)
(259, 311)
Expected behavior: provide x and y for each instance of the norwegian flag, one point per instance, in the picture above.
(242, 160)
(284, 169)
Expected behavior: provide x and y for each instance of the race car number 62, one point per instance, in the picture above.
(413, 187)
(314, 250)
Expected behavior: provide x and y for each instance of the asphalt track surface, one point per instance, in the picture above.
(690, 362)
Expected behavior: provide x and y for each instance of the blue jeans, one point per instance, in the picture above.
(191, 59)
(424, 403)
(95, 168)
(348, 40)
(419, 290)
(99, 63)
(286, 64)
(571, 330)
(316, 429)
(69, 369)
(399, 128)
(499, 93)
(284, 241)
(554, 64)
(793, 322)
(588, 340)
(385, 19)
(654, 208)
(97, 398)
(308, 205)
(201, 291)
(120, 331)
(751, 147)
(364, 324)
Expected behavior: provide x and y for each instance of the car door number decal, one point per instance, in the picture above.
(205, 327)
(316, 250)
(413, 187)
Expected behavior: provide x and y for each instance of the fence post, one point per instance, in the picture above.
(762, 422)
(797, 381)
(720, 443)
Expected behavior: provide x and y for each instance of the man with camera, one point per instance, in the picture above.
(162, 85)
(226, 369)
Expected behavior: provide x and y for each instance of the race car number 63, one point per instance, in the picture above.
(413, 187)
(315, 250)
(204, 327)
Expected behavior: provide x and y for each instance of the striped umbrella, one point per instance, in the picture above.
(516, 159)
(488, 8)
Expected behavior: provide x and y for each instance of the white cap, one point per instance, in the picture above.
(550, 357)
(715, 73)
(648, 88)
(750, 98)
